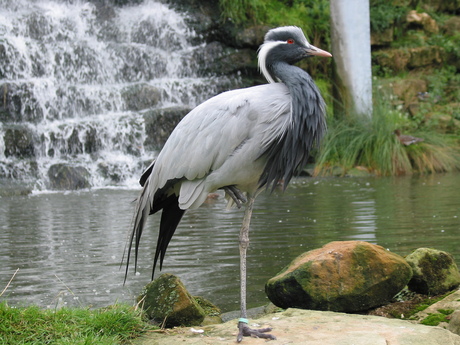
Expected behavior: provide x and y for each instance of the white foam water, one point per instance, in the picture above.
(65, 68)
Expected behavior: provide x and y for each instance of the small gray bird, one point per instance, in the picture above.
(241, 141)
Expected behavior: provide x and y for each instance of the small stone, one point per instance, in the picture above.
(435, 271)
(159, 123)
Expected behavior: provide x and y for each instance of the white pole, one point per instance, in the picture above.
(351, 49)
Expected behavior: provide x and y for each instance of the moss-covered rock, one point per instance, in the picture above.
(166, 300)
(423, 20)
(408, 88)
(426, 56)
(341, 276)
(435, 271)
(400, 59)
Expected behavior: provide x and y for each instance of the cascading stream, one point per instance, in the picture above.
(77, 81)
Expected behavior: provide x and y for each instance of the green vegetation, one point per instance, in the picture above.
(384, 14)
(313, 16)
(425, 54)
(371, 142)
(112, 325)
(437, 318)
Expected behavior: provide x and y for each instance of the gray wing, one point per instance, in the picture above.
(231, 130)
(217, 144)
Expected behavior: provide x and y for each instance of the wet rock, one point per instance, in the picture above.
(252, 36)
(217, 59)
(166, 300)
(18, 169)
(341, 276)
(141, 96)
(19, 142)
(434, 271)
(19, 104)
(66, 177)
(159, 123)
(10, 105)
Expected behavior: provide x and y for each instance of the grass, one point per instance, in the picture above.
(117, 324)
(370, 142)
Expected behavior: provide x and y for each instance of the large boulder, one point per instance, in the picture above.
(341, 276)
(435, 271)
(65, 177)
(167, 301)
(141, 96)
(159, 123)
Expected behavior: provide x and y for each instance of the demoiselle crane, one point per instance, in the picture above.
(240, 141)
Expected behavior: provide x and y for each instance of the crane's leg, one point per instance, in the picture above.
(243, 328)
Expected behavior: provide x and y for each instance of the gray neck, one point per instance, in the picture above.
(289, 155)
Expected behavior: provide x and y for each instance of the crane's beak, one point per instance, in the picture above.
(312, 50)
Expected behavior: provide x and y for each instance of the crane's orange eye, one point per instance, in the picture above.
(290, 41)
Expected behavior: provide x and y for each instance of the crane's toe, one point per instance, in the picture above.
(245, 331)
(238, 197)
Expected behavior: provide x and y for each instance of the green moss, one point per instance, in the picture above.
(437, 318)
(425, 303)
(209, 308)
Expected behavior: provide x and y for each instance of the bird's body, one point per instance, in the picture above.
(407, 139)
(240, 141)
(234, 128)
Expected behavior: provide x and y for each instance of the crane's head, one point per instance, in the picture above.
(285, 44)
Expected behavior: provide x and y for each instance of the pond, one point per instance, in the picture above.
(67, 247)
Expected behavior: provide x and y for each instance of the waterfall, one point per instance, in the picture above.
(78, 80)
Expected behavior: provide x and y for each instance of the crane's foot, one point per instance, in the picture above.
(245, 331)
(237, 196)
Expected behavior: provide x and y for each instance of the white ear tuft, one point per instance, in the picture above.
(263, 53)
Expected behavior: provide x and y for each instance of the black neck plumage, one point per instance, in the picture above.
(288, 155)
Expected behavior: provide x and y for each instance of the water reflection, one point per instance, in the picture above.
(68, 246)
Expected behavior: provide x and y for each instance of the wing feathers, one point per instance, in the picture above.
(227, 132)
(170, 218)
